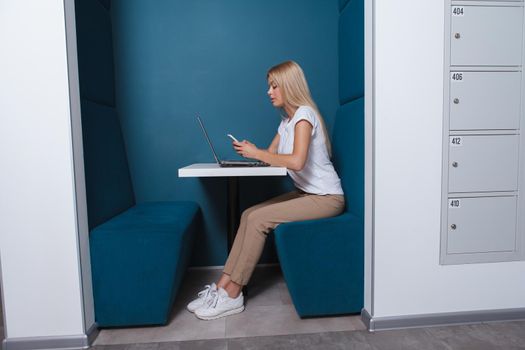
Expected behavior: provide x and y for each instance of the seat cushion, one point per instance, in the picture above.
(322, 263)
(138, 259)
(157, 216)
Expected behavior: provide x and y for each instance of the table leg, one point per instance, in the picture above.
(233, 209)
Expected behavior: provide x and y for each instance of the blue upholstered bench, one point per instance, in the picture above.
(323, 260)
(139, 252)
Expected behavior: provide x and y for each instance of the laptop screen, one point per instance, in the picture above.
(208, 139)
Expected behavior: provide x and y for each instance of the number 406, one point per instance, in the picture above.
(457, 76)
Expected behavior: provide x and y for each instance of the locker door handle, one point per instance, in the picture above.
(456, 100)
(455, 164)
(457, 35)
(453, 226)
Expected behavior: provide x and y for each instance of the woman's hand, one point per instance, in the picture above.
(294, 161)
(246, 149)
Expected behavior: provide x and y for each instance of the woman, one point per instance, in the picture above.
(303, 147)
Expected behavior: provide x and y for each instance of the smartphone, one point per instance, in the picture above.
(232, 137)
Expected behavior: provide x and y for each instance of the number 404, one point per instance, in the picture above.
(458, 11)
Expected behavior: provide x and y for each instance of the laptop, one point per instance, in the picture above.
(229, 163)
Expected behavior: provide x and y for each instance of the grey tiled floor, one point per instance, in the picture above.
(269, 312)
(504, 336)
(270, 322)
(267, 293)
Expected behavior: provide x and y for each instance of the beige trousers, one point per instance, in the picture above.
(259, 220)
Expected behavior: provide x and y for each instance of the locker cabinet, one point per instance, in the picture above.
(484, 100)
(483, 212)
(486, 36)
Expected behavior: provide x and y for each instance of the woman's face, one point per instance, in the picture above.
(275, 94)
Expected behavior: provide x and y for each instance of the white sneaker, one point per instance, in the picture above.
(220, 305)
(202, 297)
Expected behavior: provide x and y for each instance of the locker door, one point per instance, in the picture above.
(485, 100)
(482, 163)
(486, 36)
(481, 225)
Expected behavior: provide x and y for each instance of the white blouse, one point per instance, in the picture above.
(318, 175)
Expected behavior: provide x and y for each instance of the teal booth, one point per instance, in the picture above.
(323, 260)
(139, 251)
(146, 69)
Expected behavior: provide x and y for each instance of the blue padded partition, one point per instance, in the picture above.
(323, 260)
(138, 260)
(95, 51)
(108, 182)
(342, 4)
(348, 141)
(106, 3)
(139, 253)
(352, 52)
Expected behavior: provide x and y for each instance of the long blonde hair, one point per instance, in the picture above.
(289, 77)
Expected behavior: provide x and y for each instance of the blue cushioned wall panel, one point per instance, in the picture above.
(342, 4)
(138, 260)
(106, 3)
(351, 52)
(95, 51)
(349, 154)
(108, 184)
(175, 59)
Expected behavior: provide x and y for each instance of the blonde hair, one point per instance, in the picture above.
(289, 77)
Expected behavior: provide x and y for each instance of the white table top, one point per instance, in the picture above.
(214, 170)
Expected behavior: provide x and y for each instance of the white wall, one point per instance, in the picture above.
(408, 108)
(39, 244)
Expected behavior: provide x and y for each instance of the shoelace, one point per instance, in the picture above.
(203, 293)
(212, 302)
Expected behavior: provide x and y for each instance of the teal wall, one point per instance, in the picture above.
(174, 59)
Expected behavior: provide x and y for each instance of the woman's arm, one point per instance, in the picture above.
(274, 145)
(294, 161)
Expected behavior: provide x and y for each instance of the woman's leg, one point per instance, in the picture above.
(239, 237)
(260, 221)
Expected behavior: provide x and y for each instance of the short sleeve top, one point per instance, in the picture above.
(318, 175)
